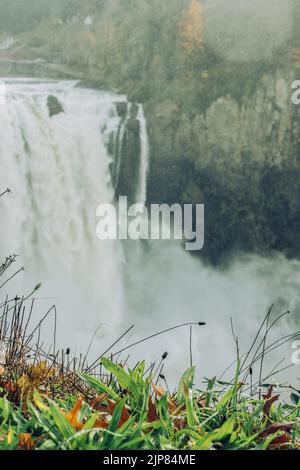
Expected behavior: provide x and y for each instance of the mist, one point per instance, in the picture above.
(242, 30)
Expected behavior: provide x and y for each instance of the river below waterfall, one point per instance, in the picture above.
(59, 170)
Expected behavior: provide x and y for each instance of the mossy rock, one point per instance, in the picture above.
(122, 109)
(54, 106)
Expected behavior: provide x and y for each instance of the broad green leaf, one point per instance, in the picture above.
(205, 443)
(185, 385)
(99, 386)
(5, 410)
(109, 436)
(209, 391)
(124, 379)
(39, 401)
(61, 421)
(225, 430)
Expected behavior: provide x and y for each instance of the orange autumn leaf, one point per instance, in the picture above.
(105, 411)
(101, 422)
(26, 442)
(72, 416)
(172, 405)
(159, 391)
(10, 387)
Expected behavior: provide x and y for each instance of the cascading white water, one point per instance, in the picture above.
(144, 161)
(58, 170)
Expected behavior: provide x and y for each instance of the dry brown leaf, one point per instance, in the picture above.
(10, 387)
(152, 413)
(269, 400)
(273, 428)
(280, 442)
(97, 403)
(180, 422)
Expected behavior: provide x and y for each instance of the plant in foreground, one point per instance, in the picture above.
(134, 413)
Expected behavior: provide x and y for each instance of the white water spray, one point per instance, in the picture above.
(58, 170)
(144, 161)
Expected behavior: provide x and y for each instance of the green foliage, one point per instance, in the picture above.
(99, 386)
(220, 417)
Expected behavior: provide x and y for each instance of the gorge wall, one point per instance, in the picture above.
(238, 156)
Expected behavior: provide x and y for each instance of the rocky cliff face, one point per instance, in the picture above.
(127, 157)
(264, 127)
(241, 158)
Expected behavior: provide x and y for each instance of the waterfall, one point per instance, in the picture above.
(144, 160)
(58, 169)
